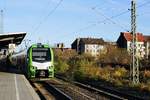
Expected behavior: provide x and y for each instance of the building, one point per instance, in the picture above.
(93, 46)
(125, 41)
(147, 46)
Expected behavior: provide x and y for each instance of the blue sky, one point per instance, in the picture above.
(72, 19)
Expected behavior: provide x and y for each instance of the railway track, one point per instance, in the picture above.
(110, 93)
(55, 89)
(95, 93)
(107, 92)
(47, 91)
(59, 89)
(75, 92)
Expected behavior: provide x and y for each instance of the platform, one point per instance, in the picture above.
(16, 87)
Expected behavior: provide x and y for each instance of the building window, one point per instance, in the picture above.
(97, 46)
(91, 51)
(93, 46)
(139, 45)
(86, 46)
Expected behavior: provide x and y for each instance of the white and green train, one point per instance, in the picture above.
(37, 62)
(40, 61)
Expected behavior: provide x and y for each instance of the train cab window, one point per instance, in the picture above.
(41, 54)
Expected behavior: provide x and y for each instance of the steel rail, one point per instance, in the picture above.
(110, 93)
(47, 91)
(60, 95)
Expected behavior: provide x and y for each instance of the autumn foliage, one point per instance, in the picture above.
(85, 66)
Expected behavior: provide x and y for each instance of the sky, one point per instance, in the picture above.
(62, 21)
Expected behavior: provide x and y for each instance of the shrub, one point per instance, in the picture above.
(61, 66)
(84, 66)
(120, 72)
(115, 56)
(62, 58)
(105, 73)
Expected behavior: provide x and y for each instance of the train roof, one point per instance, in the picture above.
(40, 45)
(16, 38)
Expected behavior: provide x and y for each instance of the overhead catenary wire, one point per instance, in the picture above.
(43, 10)
(112, 17)
(104, 21)
(37, 27)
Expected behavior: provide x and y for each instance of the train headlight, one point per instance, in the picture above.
(33, 68)
(50, 68)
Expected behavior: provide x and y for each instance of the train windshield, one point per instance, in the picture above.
(41, 54)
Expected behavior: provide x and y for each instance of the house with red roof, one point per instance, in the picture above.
(147, 46)
(125, 41)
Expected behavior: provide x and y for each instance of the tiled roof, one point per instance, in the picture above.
(92, 40)
(128, 36)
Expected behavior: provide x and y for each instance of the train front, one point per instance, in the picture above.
(40, 61)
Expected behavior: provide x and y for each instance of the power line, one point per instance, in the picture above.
(103, 21)
(112, 17)
(46, 17)
(143, 4)
(50, 13)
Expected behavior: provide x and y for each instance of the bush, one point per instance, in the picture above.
(119, 73)
(62, 57)
(105, 73)
(84, 68)
(61, 66)
(115, 56)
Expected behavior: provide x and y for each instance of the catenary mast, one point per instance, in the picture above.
(135, 59)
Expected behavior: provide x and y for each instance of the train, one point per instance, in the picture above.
(37, 62)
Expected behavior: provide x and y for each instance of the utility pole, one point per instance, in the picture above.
(1, 22)
(135, 59)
